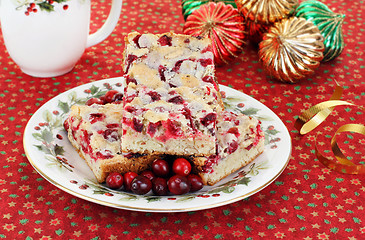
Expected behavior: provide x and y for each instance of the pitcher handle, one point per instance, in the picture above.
(108, 26)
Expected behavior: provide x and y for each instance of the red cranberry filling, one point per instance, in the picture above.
(152, 128)
(165, 40)
(187, 40)
(161, 71)
(136, 39)
(205, 62)
(232, 147)
(208, 119)
(173, 128)
(95, 117)
(129, 80)
(155, 96)
(208, 79)
(211, 161)
(130, 109)
(177, 100)
(178, 65)
(137, 125)
(130, 59)
(234, 131)
(110, 134)
(207, 49)
(106, 155)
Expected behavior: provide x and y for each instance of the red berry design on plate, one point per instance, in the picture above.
(114, 180)
(141, 185)
(127, 179)
(178, 185)
(65, 7)
(161, 168)
(181, 166)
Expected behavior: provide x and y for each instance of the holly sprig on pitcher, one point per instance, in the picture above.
(43, 5)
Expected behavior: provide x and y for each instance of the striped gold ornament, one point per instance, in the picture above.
(328, 23)
(223, 25)
(266, 11)
(291, 49)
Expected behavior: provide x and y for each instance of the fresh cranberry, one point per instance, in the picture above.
(148, 174)
(178, 185)
(160, 167)
(114, 180)
(137, 125)
(196, 182)
(159, 186)
(127, 179)
(155, 96)
(165, 40)
(109, 95)
(118, 98)
(181, 166)
(92, 101)
(177, 100)
(136, 39)
(208, 119)
(95, 117)
(141, 185)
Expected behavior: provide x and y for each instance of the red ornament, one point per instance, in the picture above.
(223, 25)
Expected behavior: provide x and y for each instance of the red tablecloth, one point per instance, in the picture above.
(308, 201)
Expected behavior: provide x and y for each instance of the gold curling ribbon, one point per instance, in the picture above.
(314, 116)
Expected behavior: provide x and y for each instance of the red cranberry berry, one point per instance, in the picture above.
(118, 98)
(208, 119)
(181, 166)
(148, 174)
(141, 185)
(160, 167)
(177, 100)
(159, 186)
(178, 185)
(128, 178)
(108, 97)
(92, 101)
(114, 180)
(196, 182)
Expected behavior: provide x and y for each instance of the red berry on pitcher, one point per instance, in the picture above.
(114, 180)
(128, 178)
(65, 7)
(178, 185)
(181, 166)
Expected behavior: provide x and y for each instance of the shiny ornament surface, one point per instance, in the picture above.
(328, 23)
(266, 11)
(223, 25)
(188, 6)
(292, 49)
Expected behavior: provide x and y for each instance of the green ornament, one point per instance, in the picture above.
(189, 6)
(328, 23)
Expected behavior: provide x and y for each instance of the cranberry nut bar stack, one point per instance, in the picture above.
(171, 96)
(171, 106)
(95, 133)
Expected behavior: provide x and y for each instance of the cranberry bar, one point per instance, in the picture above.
(239, 141)
(95, 132)
(171, 97)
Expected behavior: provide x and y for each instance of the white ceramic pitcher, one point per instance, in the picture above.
(46, 38)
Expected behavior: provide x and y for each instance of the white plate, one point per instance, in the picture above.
(51, 154)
